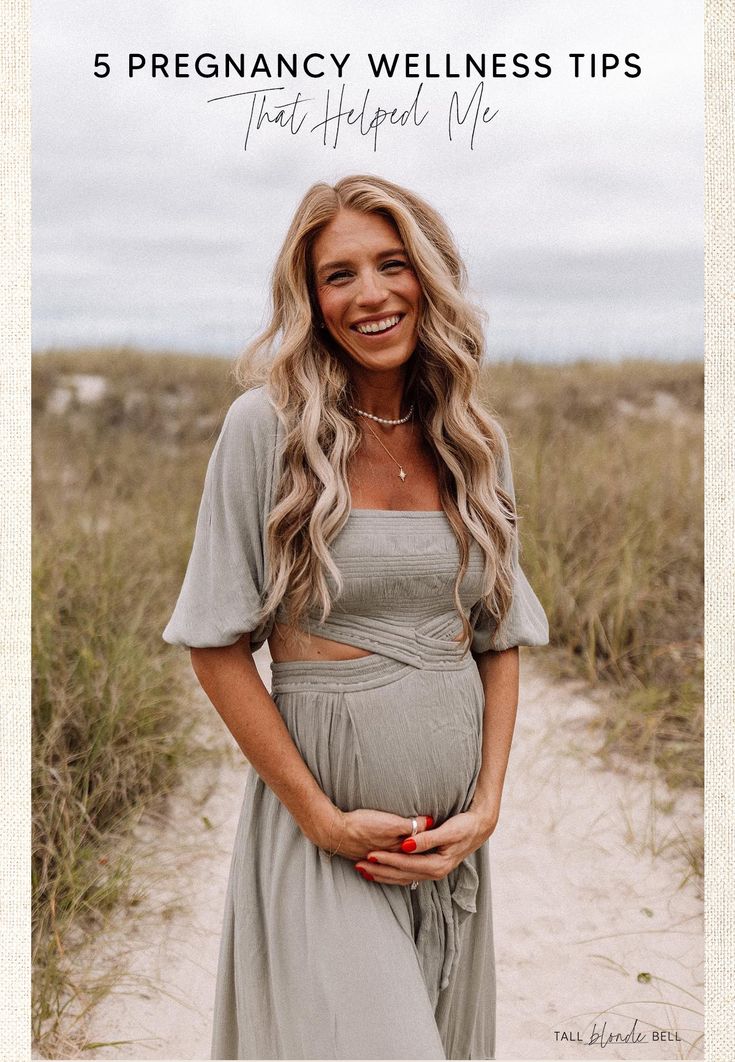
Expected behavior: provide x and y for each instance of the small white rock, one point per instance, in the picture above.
(58, 401)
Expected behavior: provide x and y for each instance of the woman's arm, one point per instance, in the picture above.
(499, 673)
(229, 677)
(456, 838)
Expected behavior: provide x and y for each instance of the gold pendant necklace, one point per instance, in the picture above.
(401, 471)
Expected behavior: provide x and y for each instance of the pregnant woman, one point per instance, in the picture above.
(358, 513)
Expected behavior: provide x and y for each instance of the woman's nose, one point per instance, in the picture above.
(373, 290)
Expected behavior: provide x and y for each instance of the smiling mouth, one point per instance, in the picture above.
(380, 327)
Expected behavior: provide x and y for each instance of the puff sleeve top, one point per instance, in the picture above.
(525, 623)
(220, 598)
(221, 595)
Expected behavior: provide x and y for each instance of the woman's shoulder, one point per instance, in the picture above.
(245, 454)
(252, 419)
(253, 409)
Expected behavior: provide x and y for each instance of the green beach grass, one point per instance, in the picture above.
(609, 476)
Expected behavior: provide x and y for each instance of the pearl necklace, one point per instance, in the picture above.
(401, 471)
(383, 420)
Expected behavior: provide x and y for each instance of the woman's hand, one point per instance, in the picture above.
(432, 854)
(352, 834)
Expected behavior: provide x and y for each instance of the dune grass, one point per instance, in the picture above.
(608, 469)
(112, 526)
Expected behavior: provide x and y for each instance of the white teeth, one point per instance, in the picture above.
(378, 326)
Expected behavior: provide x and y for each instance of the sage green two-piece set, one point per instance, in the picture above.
(316, 962)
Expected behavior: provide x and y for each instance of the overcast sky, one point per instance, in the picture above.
(578, 211)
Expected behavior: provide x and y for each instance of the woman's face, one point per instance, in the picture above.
(368, 294)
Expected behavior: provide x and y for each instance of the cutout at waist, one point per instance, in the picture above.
(296, 645)
(286, 647)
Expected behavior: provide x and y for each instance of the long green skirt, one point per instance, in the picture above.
(315, 961)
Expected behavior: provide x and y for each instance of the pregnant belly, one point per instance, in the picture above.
(412, 746)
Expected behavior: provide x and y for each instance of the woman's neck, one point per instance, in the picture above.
(382, 398)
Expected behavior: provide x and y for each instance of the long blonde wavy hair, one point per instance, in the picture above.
(310, 387)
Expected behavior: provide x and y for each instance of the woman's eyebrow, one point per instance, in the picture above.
(326, 267)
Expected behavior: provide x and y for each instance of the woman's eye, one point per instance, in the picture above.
(341, 275)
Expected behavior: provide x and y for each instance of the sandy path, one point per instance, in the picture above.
(588, 895)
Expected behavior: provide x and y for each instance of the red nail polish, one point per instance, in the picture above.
(367, 877)
(372, 859)
(429, 822)
(409, 845)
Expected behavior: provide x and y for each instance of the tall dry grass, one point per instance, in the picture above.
(609, 463)
(608, 468)
(115, 485)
